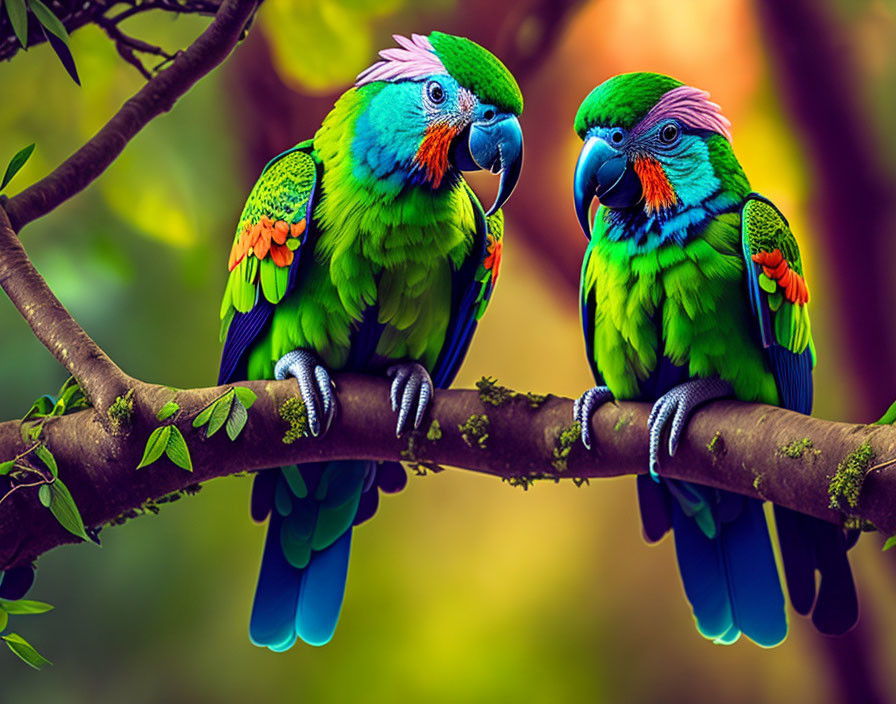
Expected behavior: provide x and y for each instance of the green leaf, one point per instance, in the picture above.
(44, 455)
(46, 17)
(40, 408)
(25, 650)
(44, 495)
(220, 412)
(24, 606)
(246, 396)
(70, 398)
(4, 619)
(203, 416)
(62, 505)
(31, 430)
(18, 18)
(891, 541)
(155, 445)
(889, 417)
(237, 419)
(6, 467)
(168, 410)
(17, 162)
(60, 46)
(177, 449)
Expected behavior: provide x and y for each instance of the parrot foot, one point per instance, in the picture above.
(585, 406)
(411, 386)
(314, 385)
(678, 405)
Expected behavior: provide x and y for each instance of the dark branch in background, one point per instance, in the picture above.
(753, 449)
(853, 202)
(75, 14)
(157, 96)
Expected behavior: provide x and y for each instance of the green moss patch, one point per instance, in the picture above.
(121, 410)
(563, 445)
(475, 431)
(293, 411)
(796, 449)
(846, 484)
(493, 393)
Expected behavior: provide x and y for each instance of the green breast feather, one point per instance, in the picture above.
(269, 232)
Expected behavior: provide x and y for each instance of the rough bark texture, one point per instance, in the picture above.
(736, 446)
(157, 96)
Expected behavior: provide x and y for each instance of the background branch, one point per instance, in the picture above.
(157, 96)
(736, 446)
(75, 14)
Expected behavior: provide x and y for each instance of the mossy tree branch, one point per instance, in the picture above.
(752, 449)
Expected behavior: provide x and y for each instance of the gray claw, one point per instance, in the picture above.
(584, 408)
(315, 386)
(679, 404)
(411, 386)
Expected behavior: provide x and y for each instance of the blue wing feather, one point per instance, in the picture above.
(464, 305)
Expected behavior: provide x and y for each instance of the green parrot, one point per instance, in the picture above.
(363, 249)
(692, 289)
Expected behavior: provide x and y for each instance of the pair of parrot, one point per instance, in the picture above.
(364, 249)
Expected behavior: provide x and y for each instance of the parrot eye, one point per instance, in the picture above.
(669, 133)
(617, 136)
(435, 92)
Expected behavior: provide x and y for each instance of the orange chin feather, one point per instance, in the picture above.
(658, 191)
(433, 152)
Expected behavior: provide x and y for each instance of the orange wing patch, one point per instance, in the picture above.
(492, 262)
(775, 267)
(263, 238)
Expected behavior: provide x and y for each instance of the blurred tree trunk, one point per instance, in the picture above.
(853, 207)
(852, 199)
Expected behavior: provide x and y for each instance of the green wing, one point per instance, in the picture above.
(778, 291)
(270, 232)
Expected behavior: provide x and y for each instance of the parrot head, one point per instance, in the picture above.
(435, 106)
(651, 147)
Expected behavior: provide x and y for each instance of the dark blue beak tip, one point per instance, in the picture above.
(497, 146)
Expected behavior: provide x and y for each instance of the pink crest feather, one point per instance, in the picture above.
(415, 58)
(693, 107)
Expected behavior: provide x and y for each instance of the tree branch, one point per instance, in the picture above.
(747, 448)
(157, 96)
(74, 14)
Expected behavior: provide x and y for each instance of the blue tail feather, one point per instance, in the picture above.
(731, 580)
(277, 595)
(322, 590)
(305, 561)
